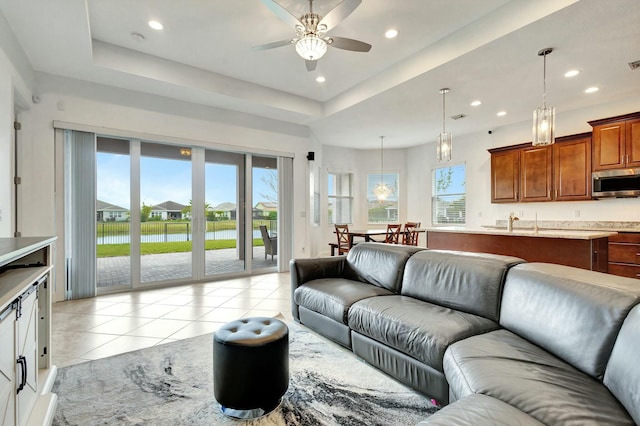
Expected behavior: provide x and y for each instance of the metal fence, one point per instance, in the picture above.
(163, 232)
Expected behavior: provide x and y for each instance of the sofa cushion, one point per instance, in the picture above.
(622, 376)
(468, 282)
(478, 409)
(379, 264)
(505, 366)
(332, 297)
(557, 307)
(419, 329)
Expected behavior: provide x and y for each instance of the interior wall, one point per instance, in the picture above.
(472, 149)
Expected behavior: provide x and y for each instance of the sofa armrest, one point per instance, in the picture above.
(305, 270)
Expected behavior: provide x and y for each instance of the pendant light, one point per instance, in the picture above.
(544, 118)
(382, 190)
(444, 144)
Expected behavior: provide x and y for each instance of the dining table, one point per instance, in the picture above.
(368, 235)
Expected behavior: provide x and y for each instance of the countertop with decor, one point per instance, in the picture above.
(526, 232)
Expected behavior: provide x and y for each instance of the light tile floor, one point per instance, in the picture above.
(102, 326)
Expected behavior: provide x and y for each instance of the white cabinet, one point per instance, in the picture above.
(26, 373)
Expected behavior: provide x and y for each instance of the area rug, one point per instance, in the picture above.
(172, 384)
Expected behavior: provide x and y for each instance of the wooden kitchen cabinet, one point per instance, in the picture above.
(624, 254)
(616, 142)
(535, 173)
(505, 175)
(526, 173)
(572, 168)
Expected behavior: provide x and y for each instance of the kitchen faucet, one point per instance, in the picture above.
(512, 218)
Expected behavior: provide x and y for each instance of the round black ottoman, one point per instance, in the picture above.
(250, 366)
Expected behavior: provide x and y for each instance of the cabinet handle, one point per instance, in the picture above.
(22, 362)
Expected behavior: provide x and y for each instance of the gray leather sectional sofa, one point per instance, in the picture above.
(492, 338)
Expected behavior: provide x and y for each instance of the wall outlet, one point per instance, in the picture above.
(576, 213)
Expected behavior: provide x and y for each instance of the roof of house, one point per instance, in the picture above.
(265, 205)
(226, 206)
(170, 206)
(103, 206)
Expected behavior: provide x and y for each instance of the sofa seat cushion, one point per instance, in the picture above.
(505, 366)
(419, 329)
(332, 297)
(478, 409)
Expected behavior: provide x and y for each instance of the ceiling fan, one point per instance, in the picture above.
(311, 41)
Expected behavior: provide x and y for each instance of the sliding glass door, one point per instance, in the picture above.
(265, 211)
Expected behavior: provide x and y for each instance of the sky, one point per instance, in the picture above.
(170, 180)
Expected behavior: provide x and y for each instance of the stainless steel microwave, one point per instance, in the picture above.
(620, 183)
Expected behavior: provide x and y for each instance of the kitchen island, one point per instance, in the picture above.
(582, 249)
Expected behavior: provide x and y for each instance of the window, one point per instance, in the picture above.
(340, 197)
(314, 190)
(382, 211)
(449, 196)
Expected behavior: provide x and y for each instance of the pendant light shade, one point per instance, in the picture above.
(445, 141)
(544, 118)
(382, 191)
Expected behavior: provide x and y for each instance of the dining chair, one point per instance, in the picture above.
(270, 243)
(393, 233)
(410, 235)
(344, 242)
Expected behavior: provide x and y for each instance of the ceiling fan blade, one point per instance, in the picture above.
(339, 13)
(272, 45)
(311, 65)
(348, 44)
(282, 13)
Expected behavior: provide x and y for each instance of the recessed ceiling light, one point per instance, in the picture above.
(391, 33)
(591, 89)
(320, 79)
(501, 113)
(476, 103)
(571, 73)
(155, 25)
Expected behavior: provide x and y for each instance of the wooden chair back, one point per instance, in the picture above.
(410, 235)
(344, 242)
(393, 233)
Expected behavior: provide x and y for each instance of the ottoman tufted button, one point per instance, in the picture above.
(250, 366)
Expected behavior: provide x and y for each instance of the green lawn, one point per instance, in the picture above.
(110, 250)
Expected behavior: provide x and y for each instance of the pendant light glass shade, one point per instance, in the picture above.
(544, 118)
(444, 144)
(311, 47)
(382, 191)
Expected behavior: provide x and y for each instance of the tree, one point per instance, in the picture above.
(187, 209)
(443, 179)
(271, 182)
(145, 212)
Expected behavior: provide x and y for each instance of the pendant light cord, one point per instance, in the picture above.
(381, 161)
(544, 80)
(444, 93)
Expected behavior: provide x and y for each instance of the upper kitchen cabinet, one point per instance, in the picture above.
(558, 172)
(505, 175)
(572, 168)
(535, 173)
(616, 142)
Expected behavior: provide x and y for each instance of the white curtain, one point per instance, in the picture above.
(80, 215)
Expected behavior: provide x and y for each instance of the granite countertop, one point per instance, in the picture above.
(527, 232)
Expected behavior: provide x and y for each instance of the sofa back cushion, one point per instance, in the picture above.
(468, 282)
(573, 313)
(622, 375)
(378, 264)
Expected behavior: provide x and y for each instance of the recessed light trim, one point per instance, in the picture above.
(391, 33)
(156, 25)
(501, 113)
(476, 103)
(320, 79)
(591, 89)
(571, 73)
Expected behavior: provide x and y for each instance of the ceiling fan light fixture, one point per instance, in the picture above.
(311, 47)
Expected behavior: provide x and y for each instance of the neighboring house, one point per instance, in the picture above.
(264, 209)
(106, 212)
(169, 210)
(224, 211)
